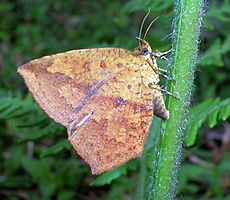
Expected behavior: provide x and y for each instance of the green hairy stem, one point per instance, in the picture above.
(186, 29)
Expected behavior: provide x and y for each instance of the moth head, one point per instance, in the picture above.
(143, 48)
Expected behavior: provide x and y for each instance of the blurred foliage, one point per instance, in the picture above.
(36, 160)
(211, 110)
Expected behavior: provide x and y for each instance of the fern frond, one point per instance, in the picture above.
(42, 132)
(212, 111)
(11, 107)
(23, 116)
(56, 148)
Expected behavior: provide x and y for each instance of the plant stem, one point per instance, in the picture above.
(145, 170)
(186, 29)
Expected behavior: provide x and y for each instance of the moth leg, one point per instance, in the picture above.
(167, 77)
(161, 55)
(156, 87)
(154, 68)
(169, 93)
(162, 70)
(159, 71)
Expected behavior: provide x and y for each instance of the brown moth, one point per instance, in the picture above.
(105, 97)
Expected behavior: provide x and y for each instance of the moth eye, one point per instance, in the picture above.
(145, 51)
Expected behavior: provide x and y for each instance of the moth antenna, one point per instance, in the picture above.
(142, 24)
(151, 23)
(139, 39)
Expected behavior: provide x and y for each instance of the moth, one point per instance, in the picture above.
(105, 97)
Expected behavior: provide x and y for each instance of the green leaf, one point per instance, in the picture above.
(32, 121)
(226, 45)
(210, 110)
(41, 174)
(12, 107)
(4, 104)
(213, 55)
(60, 146)
(66, 195)
(224, 164)
(50, 129)
(219, 12)
(189, 173)
(108, 177)
(38, 169)
(139, 5)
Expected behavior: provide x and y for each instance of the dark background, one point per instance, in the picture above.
(36, 160)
